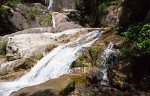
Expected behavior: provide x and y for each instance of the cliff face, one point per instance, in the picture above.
(23, 16)
(94, 13)
(128, 12)
(64, 4)
(134, 11)
(115, 12)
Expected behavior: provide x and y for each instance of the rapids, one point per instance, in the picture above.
(54, 64)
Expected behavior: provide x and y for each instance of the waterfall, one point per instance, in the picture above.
(50, 5)
(54, 64)
(106, 57)
(50, 8)
(53, 21)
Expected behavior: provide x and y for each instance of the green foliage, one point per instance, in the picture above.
(94, 55)
(50, 48)
(11, 2)
(92, 10)
(139, 36)
(3, 12)
(80, 4)
(91, 56)
(32, 12)
(3, 44)
(127, 85)
(47, 19)
(103, 7)
(80, 62)
(125, 52)
(5, 24)
(79, 79)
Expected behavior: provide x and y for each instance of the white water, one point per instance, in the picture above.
(54, 64)
(53, 21)
(50, 5)
(108, 52)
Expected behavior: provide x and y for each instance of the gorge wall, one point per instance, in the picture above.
(94, 13)
(134, 11)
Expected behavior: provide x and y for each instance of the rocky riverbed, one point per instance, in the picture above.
(20, 52)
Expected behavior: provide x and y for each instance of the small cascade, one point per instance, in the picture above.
(53, 21)
(50, 8)
(54, 64)
(50, 5)
(106, 59)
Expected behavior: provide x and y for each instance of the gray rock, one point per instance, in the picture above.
(25, 16)
(112, 17)
(62, 22)
(55, 87)
(25, 45)
(9, 66)
(29, 16)
(64, 4)
(67, 25)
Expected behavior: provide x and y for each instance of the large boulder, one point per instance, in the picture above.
(62, 22)
(64, 4)
(24, 16)
(112, 16)
(24, 49)
(2, 59)
(30, 15)
(25, 45)
(9, 66)
(55, 87)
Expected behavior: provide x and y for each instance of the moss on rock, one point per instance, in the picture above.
(79, 79)
(46, 20)
(91, 57)
(3, 44)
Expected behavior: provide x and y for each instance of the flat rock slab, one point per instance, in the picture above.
(55, 87)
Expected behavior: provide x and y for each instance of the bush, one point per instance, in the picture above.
(139, 37)
(47, 19)
(11, 2)
(103, 7)
(3, 44)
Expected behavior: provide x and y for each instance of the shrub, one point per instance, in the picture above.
(3, 44)
(11, 2)
(128, 86)
(139, 37)
(103, 7)
(47, 19)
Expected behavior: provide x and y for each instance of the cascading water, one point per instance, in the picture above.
(53, 21)
(106, 57)
(54, 64)
(50, 6)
